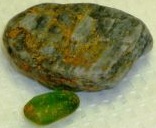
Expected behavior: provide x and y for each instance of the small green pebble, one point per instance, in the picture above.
(50, 107)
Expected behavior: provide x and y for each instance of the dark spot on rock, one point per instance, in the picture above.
(64, 18)
(41, 22)
(9, 50)
(134, 22)
(98, 12)
(143, 41)
(77, 8)
(20, 42)
(65, 87)
(54, 29)
(102, 26)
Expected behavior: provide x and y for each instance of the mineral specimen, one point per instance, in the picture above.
(76, 46)
(50, 107)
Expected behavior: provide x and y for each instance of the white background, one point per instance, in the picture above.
(131, 104)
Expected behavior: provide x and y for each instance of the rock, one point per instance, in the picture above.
(76, 46)
(50, 107)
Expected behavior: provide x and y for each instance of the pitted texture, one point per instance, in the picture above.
(76, 46)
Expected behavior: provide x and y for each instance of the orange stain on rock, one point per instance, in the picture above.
(14, 33)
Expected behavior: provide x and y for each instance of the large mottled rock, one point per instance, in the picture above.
(76, 46)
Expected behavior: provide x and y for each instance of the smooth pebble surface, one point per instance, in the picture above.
(50, 107)
(81, 46)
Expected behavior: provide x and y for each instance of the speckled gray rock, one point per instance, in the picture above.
(76, 46)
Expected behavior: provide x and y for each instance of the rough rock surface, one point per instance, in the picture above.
(76, 46)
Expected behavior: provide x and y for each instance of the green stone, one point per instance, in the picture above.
(80, 46)
(50, 107)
